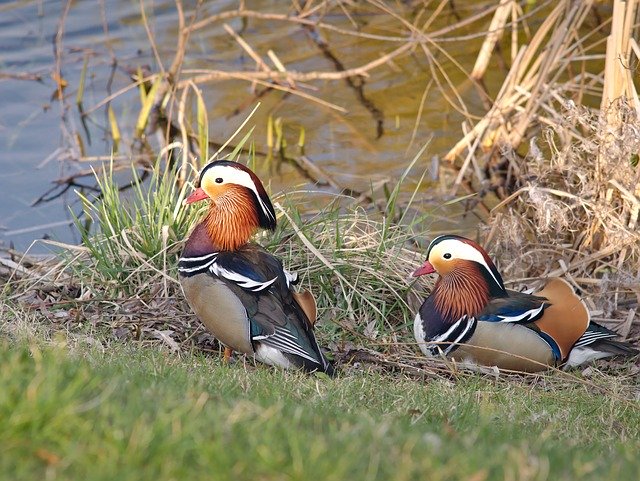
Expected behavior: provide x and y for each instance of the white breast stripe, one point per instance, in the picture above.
(444, 336)
(198, 267)
(242, 281)
(201, 258)
(452, 344)
(470, 322)
(525, 316)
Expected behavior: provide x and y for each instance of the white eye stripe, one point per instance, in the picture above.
(462, 250)
(231, 175)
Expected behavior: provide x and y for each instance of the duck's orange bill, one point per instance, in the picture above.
(196, 196)
(425, 268)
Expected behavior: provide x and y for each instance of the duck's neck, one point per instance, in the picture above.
(231, 220)
(462, 291)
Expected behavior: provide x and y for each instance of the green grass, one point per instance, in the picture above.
(131, 237)
(144, 414)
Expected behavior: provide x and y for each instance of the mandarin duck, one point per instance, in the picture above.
(471, 316)
(239, 291)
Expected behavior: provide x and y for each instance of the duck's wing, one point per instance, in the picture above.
(517, 307)
(277, 320)
(598, 342)
(556, 313)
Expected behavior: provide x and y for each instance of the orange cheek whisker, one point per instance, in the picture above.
(461, 291)
(232, 219)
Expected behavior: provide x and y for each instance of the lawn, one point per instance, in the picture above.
(144, 413)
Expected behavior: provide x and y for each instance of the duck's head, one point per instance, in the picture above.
(453, 256)
(239, 203)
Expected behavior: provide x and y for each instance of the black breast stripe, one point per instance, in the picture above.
(457, 334)
(189, 266)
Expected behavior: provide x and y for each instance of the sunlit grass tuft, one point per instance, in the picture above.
(132, 235)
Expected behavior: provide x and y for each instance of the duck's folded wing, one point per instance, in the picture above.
(595, 332)
(293, 336)
(277, 320)
(523, 309)
(598, 342)
(518, 307)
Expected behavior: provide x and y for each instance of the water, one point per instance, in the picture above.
(42, 139)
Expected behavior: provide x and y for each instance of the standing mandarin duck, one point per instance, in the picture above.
(471, 316)
(239, 291)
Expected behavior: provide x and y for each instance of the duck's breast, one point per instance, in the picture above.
(220, 310)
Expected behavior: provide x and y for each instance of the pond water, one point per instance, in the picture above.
(43, 139)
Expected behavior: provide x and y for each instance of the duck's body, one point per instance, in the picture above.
(239, 291)
(471, 316)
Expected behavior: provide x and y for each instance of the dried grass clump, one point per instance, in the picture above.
(577, 212)
(358, 266)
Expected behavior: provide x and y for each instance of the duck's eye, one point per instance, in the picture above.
(219, 180)
(447, 256)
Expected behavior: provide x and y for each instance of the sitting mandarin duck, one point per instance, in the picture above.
(239, 291)
(471, 316)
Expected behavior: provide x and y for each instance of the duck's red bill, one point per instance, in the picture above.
(196, 196)
(424, 269)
